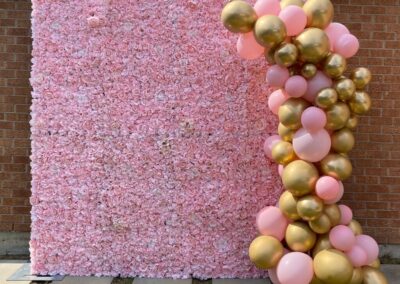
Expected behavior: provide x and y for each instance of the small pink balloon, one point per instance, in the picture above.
(295, 268)
(370, 246)
(295, 19)
(296, 86)
(357, 256)
(339, 195)
(280, 169)
(312, 147)
(342, 238)
(347, 45)
(271, 222)
(327, 188)
(277, 76)
(269, 144)
(273, 277)
(313, 119)
(334, 31)
(267, 7)
(276, 99)
(315, 84)
(346, 213)
(248, 47)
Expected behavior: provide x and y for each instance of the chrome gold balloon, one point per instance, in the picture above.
(360, 103)
(238, 17)
(313, 45)
(321, 225)
(288, 205)
(319, 13)
(285, 133)
(343, 140)
(355, 226)
(333, 267)
(310, 207)
(335, 65)
(345, 89)
(373, 276)
(299, 177)
(265, 252)
(283, 153)
(286, 54)
(285, 3)
(315, 280)
(337, 116)
(337, 166)
(326, 98)
(375, 264)
(321, 244)
(290, 112)
(299, 237)
(352, 122)
(357, 277)
(333, 213)
(361, 77)
(309, 70)
(269, 31)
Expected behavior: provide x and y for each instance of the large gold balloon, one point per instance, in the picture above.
(352, 122)
(290, 112)
(321, 244)
(345, 89)
(269, 31)
(333, 212)
(309, 70)
(355, 226)
(321, 225)
(360, 103)
(333, 267)
(300, 177)
(299, 237)
(265, 252)
(313, 45)
(361, 77)
(343, 140)
(326, 98)
(315, 280)
(310, 207)
(337, 116)
(375, 264)
(337, 166)
(288, 205)
(285, 3)
(357, 277)
(238, 17)
(319, 13)
(286, 54)
(283, 153)
(373, 276)
(285, 133)
(335, 65)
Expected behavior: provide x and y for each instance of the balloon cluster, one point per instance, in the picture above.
(308, 237)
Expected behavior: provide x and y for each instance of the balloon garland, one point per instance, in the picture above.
(308, 237)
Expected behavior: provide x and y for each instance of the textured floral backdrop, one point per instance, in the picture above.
(147, 137)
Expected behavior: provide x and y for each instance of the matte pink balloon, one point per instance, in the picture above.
(313, 119)
(271, 222)
(295, 19)
(311, 146)
(273, 277)
(248, 47)
(357, 256)
(334, 31)
(315, 84)
(276, 99)
(280, 169)
(296, 86)
(327, 188)
(370, 246)
(346, 214)
(347, 45)
(269, 144)
(339, 196)
(295, 268)
(342, 238)
(267, 7)
(277, 76)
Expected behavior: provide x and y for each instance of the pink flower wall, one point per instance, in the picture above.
(147, 135)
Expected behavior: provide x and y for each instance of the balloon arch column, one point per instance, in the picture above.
(308, 237)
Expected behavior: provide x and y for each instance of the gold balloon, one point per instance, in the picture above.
(286, 54)
(269, 31)
(326, 98)
(313, 45)
(337, 166)
(360, 103)
(343, 140)
(337, 116)
(352, 122)
(345, 89)
(310, 207)
(283, 153)
(333, 212)
(321, 244)
(361, 77)
(285, 133)
(321, 225)
(290, 112)
(357, 277)
(299, 177)
(299, 237)
(373, 276)
(319, 13)
(285, 3)
(375, 264)
(288, 205)
(333, 267)
(238, 17)
(355, 226)
(269, 55)
(309, 70)
(335, 65)
(265, 252)
(315, 280)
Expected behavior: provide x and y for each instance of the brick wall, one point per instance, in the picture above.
(373, 191)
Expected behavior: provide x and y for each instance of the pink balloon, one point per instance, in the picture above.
(269, 144)
(334, 31)
(296, 86)
(313, 119)
(276, 99)
(271, 222)
(277, 76)
(357, 256)
(248, 47)
(267, 7)
(370, 247)
(346, 214)
(347, 45)
(327, 188)
(342, 238)
(312, 147)
(315, 84)
(273, 277)
(295, 268)
(339, 195)
(295, 19)
(280, 169)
